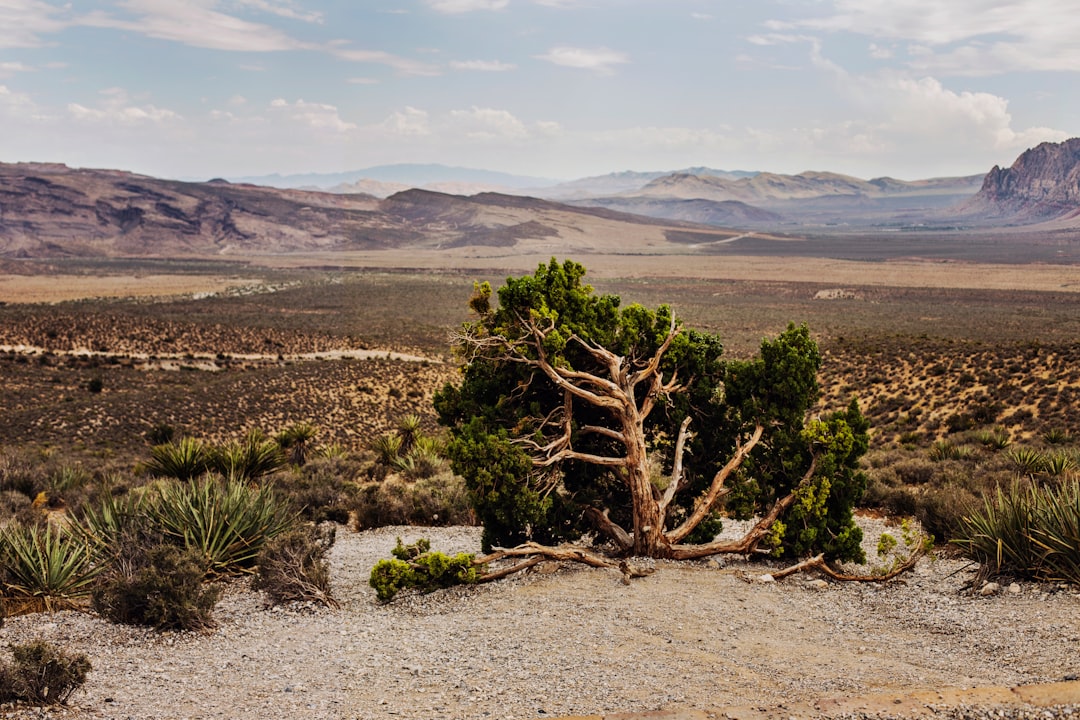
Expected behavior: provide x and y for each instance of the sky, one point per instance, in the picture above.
(559, 89)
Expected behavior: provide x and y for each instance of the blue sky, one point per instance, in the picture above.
(550, 88)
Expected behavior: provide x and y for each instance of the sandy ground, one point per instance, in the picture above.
(58, 288)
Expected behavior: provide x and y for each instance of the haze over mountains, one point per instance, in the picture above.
(50, 210)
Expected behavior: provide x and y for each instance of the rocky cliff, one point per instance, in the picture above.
(1043, 184)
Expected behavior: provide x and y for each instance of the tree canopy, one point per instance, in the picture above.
(575, 414)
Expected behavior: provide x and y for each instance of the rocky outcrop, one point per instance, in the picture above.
(1043, 184)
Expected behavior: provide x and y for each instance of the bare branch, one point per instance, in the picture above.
(749, 541)
(609, 528)
(567, 553)
(676, 471)
(716, 490)
(653, 365)
(606, 432)
(569, 454)
(818, 563)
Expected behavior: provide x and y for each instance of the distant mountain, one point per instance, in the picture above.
(50, 211)
(723, 213)
(626, 182)
(408, 174)
(1043, 184)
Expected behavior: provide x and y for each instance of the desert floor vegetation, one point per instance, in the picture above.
(970, 397)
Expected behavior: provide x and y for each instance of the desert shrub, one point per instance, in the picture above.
(419, 463)
(439, 500)
(996, 439)
(11, 502)
(295, 441)
(1056, 436)
(43, 568)
(184, 460)
(1027, 461)
(322, 490)
(156, 584)
(293, 567)
(387, 448)
(249, 459)
(225, 522)
(941, 510)
(19, 474)
(160, 434)
(42, 674)
(914, 471)
(416, 566)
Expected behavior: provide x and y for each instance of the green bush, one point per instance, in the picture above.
(184, 460)
(156, 584)
(416, 566)
(248, 460)
(42, 674)
(43, 568)
(322, 490)
(292, 566)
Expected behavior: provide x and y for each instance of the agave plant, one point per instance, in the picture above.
(1056, 436)
(387, 448)
(409, 429)
(1057, 534)
(1060, 464)
(998, 439)
(184, 460)
(250, 459)
(225, 522)
(999, 535)
(44, 568)
(101, 526)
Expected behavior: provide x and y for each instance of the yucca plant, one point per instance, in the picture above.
(226, 522)
(998, 439)
(387, 448)
(409, 429)
(1059, 465)
(44, 568)
(252, 458)
(103, 524)
(1027, 461)
(998, 536)
(1057, 533)
(184, 460)
(296, 439)
(1056, 436)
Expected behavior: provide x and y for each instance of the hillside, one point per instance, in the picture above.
(1043, 184)
(51, 210)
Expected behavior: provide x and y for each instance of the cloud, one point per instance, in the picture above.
(15, 102)
(463, 6)
(319, 116)
(22, 22)
(402, 65)
(362, 81)
(488, 124)
(965, 37)
(409, 122)
(601, 60)
(286, 10)
(196, 24)
(482, 65)
(7, 69)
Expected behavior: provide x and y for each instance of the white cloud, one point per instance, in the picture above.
(362, 81)
(286, 10)
(482, 65)
(402, 65)
(22, 22)
(966, 37)
(7, 69)
(410, 122)
(122, 115)
(602, 60)
(663, 138)
(881, 53)
(701, 16)
(463, 6)
(196, 24)
(15, 102)
(488, 124)
(319, 116)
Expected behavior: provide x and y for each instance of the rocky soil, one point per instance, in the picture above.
(569, 641)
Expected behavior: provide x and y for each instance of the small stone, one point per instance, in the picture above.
(766, 578)
(990, 588)
(817, 584)
(1014, 589)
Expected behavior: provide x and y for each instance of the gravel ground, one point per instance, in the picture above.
(569, 641)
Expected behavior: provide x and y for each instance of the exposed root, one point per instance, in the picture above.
(536, 552)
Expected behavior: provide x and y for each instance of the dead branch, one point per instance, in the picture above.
(568, 553)
(611, 529)
(677, 470)
(504, 572)
(818, 563)
(716, 490)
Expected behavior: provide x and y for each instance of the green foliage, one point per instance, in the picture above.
(292, 567)
(417, 567)
(156, 584)
(439, 500)
(1027, 461)
(250, 459)
(224, 522)
(505, 403)
(1028, 531)
(184, 460)
(42, 674)
(296, 440)
(43, 567)
(996, 439)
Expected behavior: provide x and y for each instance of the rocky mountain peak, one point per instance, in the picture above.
(1044, 182)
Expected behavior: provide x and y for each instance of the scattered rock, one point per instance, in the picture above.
(990, 588)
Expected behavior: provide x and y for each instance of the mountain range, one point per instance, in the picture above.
(51, 210)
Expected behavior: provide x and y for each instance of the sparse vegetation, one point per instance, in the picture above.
(41, 673)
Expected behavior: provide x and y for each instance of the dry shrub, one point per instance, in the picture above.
(41, 674)
(292, 567)
(153, 583)
(439, 500)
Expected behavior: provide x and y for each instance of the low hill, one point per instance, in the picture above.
(51, 210)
